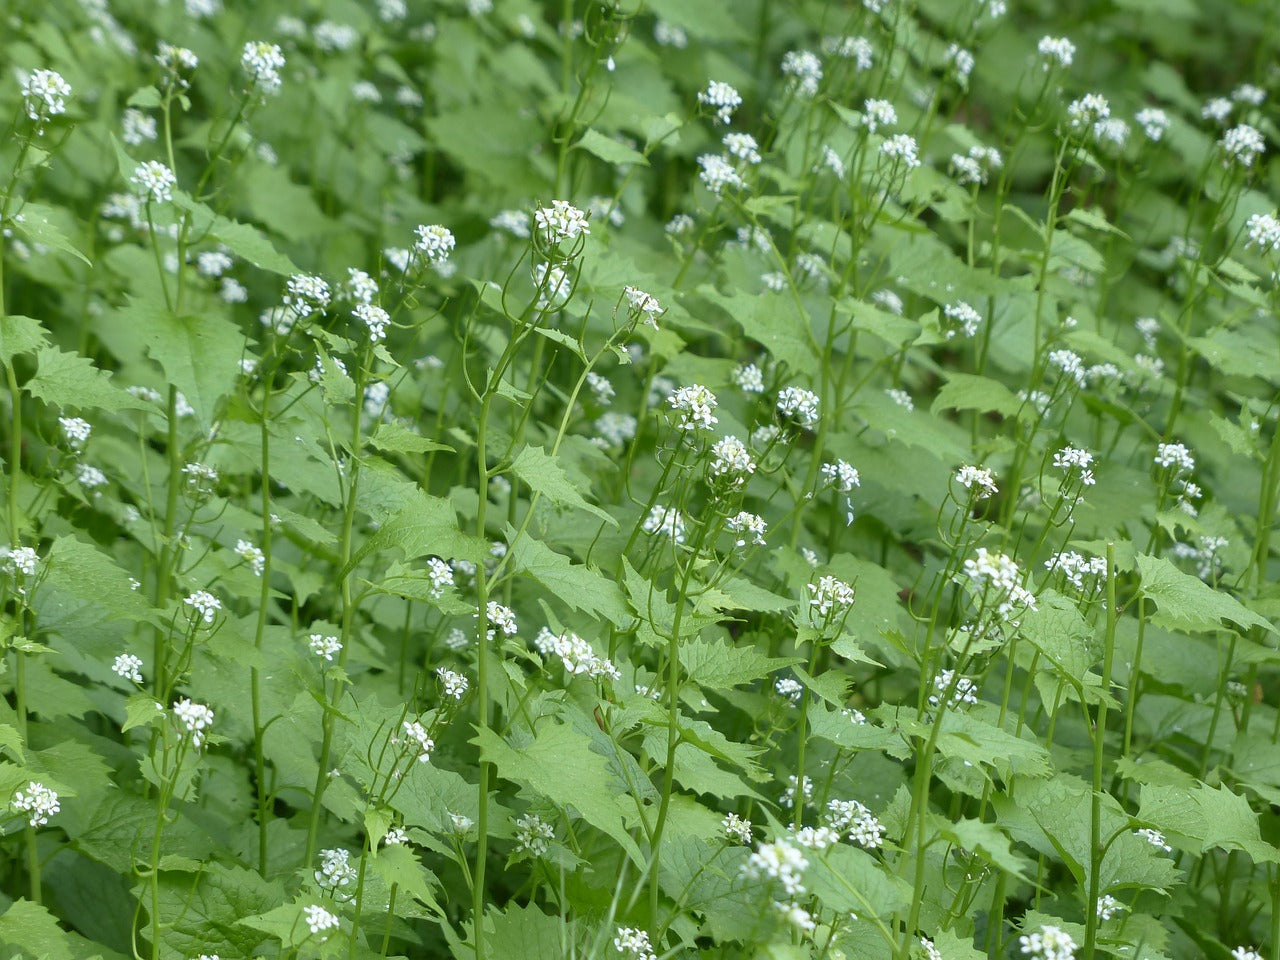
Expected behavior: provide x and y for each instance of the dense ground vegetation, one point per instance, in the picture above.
(611, 479)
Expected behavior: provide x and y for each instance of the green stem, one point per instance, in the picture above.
(264, 597)
(1099, 753)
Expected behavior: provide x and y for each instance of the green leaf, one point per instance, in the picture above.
(610, 150)
(544, 474)
(1187, 603)
(69, 380)
(83, 572)
(965, 392)
(200, 354)
(32, 928)
(1094, 221)
(20, 335)
(850, 880)
(37, 223)
(1206, 818)
(426, 526)
(394, 438)
(773, 321)
(142, 710)
(716, 664)
(397, 864)
(524, 932)
(560, 766)
(575, 584)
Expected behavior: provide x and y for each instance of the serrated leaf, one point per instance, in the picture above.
(20, 335)
(560, 766)
(963, 391)
(200, 354)
(543, 474)
(575, 584)
(142, 710)
(394, 438)
(426, 526)
(36, 223)
(30, 927)
(69, 380)
(524, 932)
(716, 664)
(610, 150)
(397, 864)
(1185, 602)
(1209, 817)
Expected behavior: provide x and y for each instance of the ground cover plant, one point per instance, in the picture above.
(603, 479)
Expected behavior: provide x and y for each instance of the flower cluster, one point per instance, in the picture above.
(195, 717)
(533, 835)
(979, 481)
(633, 944)
(263, 62)
(830, 594)
(778, 861)
(416, 732)
(722, 99)
(731, 461)
(577, 655)
(560, 221)
(995, 578)
(44, 94)
(798, 404)
(851, 817)
(324, 647)
(1049, 943)
(38, 802)
(695, 405)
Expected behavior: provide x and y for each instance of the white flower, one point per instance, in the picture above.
(1176, 456)
(262, 61)
(805, 69)
(561, 221)
(878, 113)
(1069, 362)
(900, 397)
(1050, 943)
(1153, 121)
(553, 284)
(830, 593)
(633, 944)
(38, 802)
(796, 403)
(729, 458)
(833, 162)
(842, 476)
(962, 60)
(778, 861)
(323, 646)
(154, 181)
(1109, 906)
(374, 318)
(643, 305)
(1155, 838)
(455, 684)
(901, 148)
(977, 477)
(717, 172)
(1243, 953)
(335, 868)
(995, 577)
(136, 128)
(76, 431)
(441, 576)
(1264, 232)
(1217, 109)
(965, 691)
(857, 49)
(205, 604)
(665, 520)
(305, 294)
(1070, 459)
(615, 429)
(1056, 51)
(736, 829)
(90, 477)
(721, 98)
(416, 732)
(434, 242)
(128, 666)
(1244, 144)
(44, 93)
(790, 688)
(176, 61)
(695, 405)
(669, 35)
(750, 527)
(743, 146)
(396, 837)
(749, 378)
(320, 920)
(1083, 113)
(963, 316)
(196, 717)
(533, 834)
(256, 559)
(514, 222)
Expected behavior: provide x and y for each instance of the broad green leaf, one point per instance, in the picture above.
(69, 380)
(544, 474)
(20, 335)
(525, 932)
(83, 572)
(394, 438)
(397, 864)
(773, 321)
(574, 584)
(851, 880)
(200, 353)
(32, 928)
(560, 766)
(965, 392)
(610, 150)
(716, 664)
(426, 526)
(1206, 818)
(1185, 602)
(38, 223)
